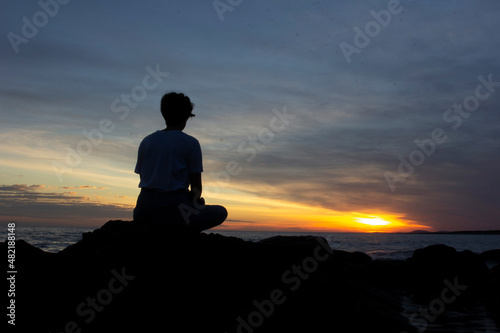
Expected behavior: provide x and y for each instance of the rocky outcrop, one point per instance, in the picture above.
(127, 277)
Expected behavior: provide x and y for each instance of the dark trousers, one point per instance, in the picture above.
(176, 210)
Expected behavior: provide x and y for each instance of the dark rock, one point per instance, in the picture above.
(350, 257)
(294, 245)
(495, 273)
(492, 256)
(494, 294)
(129, 277)
(431, 266)
(434, 255)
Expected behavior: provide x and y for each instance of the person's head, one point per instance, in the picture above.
(176, 109)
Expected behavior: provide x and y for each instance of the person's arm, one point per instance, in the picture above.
(196, 188)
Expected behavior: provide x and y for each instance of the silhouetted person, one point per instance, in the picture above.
(169, 161)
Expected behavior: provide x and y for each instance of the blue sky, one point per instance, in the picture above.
(349, 122)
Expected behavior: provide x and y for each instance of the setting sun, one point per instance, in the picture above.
(372, 220)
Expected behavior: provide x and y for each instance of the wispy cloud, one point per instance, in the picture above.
(83, 187)
(27, 203)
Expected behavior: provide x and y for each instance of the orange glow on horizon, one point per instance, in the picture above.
(251, 212)
(247, 211)
(277, 215)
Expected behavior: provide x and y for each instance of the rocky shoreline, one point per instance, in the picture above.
(127, 277)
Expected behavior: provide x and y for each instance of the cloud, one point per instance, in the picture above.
(31, 202)
(21, 188)
(239, 221)
(84, 187)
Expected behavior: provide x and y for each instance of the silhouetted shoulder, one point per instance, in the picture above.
(175, 135)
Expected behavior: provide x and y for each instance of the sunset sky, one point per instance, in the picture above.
(350, 116)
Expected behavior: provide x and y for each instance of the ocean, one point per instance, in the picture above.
(376, 245)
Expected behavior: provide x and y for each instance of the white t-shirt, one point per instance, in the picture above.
(165, 160)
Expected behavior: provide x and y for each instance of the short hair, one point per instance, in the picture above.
(176, 108)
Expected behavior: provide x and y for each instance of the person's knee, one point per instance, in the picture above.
(216, 214)
(222, 212)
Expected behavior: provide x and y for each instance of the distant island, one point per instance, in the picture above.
(471, 232)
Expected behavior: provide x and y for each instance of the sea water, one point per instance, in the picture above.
(376, 245)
